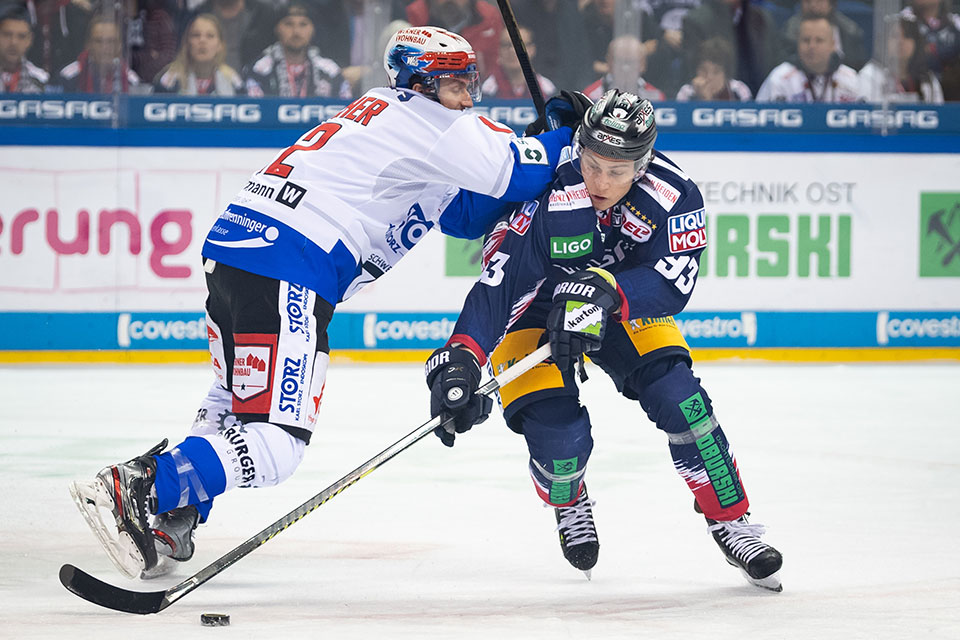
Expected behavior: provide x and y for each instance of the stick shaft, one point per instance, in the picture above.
(510, 22)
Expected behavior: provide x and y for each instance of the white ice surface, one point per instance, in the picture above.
(854, 469)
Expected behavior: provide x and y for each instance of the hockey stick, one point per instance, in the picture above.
(112, 597)
(510, 21)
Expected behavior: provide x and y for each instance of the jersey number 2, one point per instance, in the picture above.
(313, 140)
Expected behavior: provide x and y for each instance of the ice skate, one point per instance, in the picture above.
(578, 533)
(741, 545)
(124, 490)
(173, 538)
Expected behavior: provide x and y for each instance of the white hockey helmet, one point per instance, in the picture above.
(424, 54)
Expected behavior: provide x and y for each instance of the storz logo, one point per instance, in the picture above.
(410, 232)
(291, 385)
(298, 316)
(687, 231)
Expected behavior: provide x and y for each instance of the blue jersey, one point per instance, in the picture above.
(345, 203)
(651, 242)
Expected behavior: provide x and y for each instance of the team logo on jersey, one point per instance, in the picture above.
(636, 227)
(665, 195)
(688, 231)
(523, 217)
(252, 372)
(290, 195)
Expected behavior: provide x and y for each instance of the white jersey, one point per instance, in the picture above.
(878, 84)
(341, 206)
(787, 83)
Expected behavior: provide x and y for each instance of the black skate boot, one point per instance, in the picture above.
(578, 533)
(173, 538)
(125, 490)
(740, 542)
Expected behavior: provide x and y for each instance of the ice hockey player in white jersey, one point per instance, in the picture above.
(328, 215)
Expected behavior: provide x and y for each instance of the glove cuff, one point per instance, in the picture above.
(446, 356)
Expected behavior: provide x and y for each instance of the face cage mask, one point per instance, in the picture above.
(472, 78)
(641, 164)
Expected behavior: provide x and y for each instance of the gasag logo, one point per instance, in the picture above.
(688, 231)
(940, 235)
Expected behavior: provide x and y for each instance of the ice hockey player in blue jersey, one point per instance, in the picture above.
(598, 265)
(328, 215)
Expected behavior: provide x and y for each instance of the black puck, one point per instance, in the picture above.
(214, 619)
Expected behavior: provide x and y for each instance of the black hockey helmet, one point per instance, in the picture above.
(621, 126)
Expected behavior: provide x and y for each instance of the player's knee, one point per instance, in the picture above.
(671, 395)
(257, 454)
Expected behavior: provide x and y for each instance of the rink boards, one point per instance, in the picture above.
(833, 232)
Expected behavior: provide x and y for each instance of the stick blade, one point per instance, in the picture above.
(106, 595)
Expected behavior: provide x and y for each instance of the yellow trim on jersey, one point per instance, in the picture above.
(649, 334)
(514, 346)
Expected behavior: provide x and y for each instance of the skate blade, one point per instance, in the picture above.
(90, 497)
(589, 574)
(770, 583)
(165, 566)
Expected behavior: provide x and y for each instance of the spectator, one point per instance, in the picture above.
(940, 29)
(558, 32)
(506, 79)
(58, 32)
(17, 74)
(247, 28)
(626, 56)
(846, 32)
(199, 68)
(291, 67)
(99, 68)
(477, 21)
(749, 29)
(714, 79)
(909, 78)
(597, 19)
(817, 75)
(151, 31)
(668, 66)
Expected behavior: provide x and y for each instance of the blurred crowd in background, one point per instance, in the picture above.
(831, 51)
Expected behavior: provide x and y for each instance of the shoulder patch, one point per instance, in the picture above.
(521, 220)
(531, 151)
(660, 190)
(687, 231)
(569, 198)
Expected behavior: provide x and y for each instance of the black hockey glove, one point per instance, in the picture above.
(453, 375)
(564, 110)
(582, 305)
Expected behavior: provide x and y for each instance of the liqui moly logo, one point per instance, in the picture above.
(688, 231)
